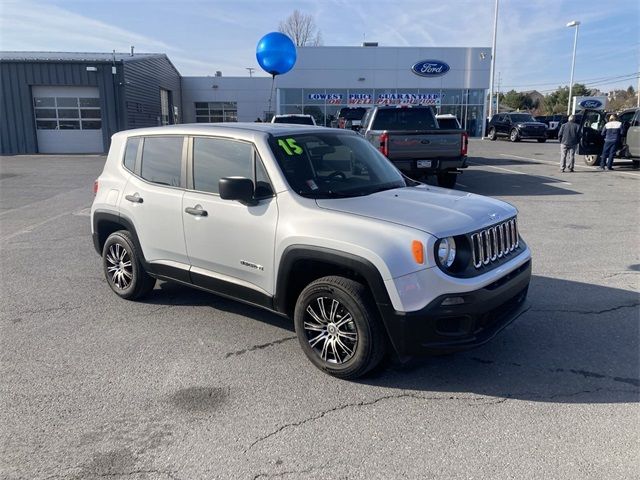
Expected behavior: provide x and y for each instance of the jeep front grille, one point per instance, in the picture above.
(494, 243)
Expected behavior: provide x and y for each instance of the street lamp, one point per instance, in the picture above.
(573, 23)
(493, 66)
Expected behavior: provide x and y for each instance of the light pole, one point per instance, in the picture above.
(493, 62)
(573, 23)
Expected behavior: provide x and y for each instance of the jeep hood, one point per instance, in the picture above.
(437, 211)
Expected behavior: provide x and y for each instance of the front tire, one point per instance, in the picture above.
(514, 136)
(447, 180)
(123, 269)
(492, 134)
(591, 160)
(338, 327)
(542, 140)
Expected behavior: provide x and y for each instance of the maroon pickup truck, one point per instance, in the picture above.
(410, 137)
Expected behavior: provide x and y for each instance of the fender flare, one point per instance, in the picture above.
(361, 266)
(100, 216)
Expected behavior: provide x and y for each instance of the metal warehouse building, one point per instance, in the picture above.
(74, 102)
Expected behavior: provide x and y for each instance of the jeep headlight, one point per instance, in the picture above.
(446, 248)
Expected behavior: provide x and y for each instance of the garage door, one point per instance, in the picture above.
(68, 119)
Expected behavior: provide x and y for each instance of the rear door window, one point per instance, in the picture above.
(162, 160)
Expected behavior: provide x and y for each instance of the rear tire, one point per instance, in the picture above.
(542, 140)
(492, 134)
(636, 163)
(514, 136)
(123, 269)
(447, 180)
(338, 327)
(591, 160)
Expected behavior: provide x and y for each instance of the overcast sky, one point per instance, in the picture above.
(533, 51)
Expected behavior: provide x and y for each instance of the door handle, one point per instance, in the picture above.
(196, 211)
(134, 198)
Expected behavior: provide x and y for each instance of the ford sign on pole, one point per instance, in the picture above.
(430, 68)
(591, 103)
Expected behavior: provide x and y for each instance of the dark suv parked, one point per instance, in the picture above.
(517, 126)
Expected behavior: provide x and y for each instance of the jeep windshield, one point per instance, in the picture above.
(334, 165)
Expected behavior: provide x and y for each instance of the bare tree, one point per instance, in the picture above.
(302, 29)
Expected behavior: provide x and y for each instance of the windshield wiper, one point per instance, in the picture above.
(381, 188)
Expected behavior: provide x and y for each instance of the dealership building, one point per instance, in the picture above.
(74, 102)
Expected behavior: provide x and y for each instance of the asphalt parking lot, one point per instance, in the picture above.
(187, 385)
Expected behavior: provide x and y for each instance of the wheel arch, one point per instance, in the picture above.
(105, 223)
(302, 264)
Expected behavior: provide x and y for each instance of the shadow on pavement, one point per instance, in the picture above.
(170, 293)
(577, 343)
(502, 161)
(501, 183)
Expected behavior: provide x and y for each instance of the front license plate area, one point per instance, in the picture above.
(424, 164)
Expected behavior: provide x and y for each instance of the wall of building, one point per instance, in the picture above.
(321, 72)
(143, 80)
(131, 98)
(17, 125)
(251, 95)
(386, 67)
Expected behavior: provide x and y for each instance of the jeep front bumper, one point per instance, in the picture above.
(465, 320)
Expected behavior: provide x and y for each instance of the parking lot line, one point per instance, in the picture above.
(558, 163)
(497, 168)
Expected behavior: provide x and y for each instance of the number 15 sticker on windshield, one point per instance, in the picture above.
(290, 146)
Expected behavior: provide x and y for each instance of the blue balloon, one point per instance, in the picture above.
(276, 53)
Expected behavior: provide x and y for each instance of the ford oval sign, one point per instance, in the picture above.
(430, 68)
(590, 104)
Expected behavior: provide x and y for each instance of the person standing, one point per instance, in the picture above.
(568, 137)
(612, 133)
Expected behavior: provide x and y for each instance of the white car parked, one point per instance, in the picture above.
(314, 224)
(294, 118)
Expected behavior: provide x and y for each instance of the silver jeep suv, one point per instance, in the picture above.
(314, 224)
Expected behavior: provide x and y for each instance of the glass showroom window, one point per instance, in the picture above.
(67, 113)
(211, 112)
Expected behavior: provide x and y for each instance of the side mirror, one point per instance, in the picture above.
(236, 188)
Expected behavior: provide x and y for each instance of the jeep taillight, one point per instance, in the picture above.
(384, 144)
(95, 187)
(464, 144)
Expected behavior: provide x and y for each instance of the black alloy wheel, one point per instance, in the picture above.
(338, 327)
(123, 269)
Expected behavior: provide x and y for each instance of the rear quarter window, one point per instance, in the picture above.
(130, 153)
